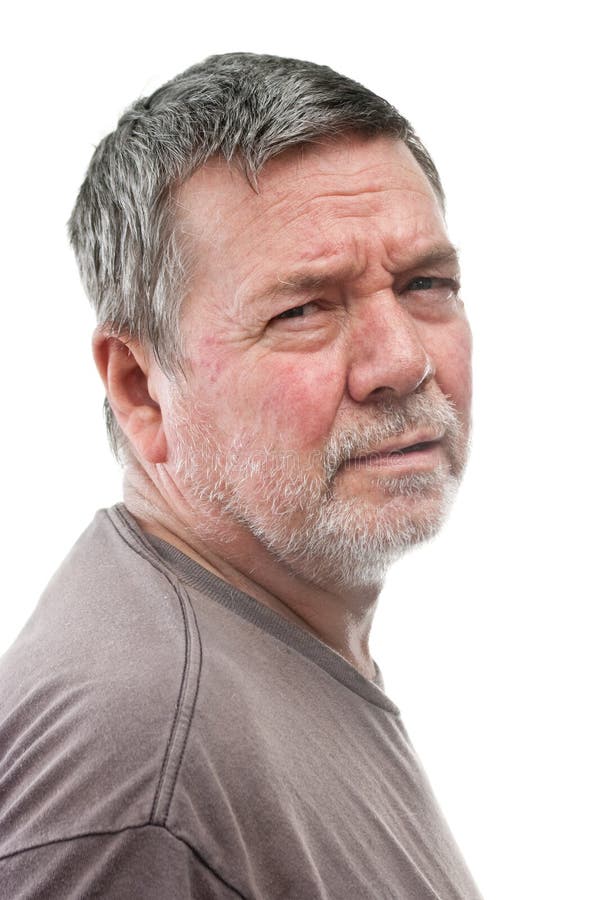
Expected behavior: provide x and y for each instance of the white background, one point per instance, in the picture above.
(487, 638)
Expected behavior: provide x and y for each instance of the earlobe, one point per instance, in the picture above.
(125, 370)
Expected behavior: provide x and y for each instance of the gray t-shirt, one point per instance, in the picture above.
(164, 735)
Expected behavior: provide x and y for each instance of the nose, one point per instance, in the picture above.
(387, 353)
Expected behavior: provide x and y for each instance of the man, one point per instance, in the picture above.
(193, 710)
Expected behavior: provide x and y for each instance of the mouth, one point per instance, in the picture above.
(412, 448)
(420, 454)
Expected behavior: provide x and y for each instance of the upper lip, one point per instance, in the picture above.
(396, 444)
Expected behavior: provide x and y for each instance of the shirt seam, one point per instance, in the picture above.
(384, 703)
(113, 832)
(164, 793)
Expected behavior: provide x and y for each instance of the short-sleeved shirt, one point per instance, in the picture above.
(164, 735)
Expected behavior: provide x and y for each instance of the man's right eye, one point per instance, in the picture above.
(304, 311)
(293, 313)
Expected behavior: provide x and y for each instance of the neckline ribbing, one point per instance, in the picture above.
(195, 576)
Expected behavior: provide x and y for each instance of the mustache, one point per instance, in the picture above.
(390, 419)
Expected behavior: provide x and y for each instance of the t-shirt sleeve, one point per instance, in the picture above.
(142, 863)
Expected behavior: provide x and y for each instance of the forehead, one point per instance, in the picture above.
(352, 197)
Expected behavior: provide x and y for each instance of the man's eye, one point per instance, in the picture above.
(438, 290)
(293, 313)
(421, 284)
(299, 312)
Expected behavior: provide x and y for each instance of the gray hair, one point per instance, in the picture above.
(241, 107)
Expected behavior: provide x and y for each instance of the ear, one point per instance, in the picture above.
(126, 371)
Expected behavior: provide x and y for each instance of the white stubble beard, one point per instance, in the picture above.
(288, 500)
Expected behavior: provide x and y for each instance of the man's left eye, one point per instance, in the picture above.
(421, 284)
(437, 290)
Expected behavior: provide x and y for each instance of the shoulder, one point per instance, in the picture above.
(146, 861)
(96, 692)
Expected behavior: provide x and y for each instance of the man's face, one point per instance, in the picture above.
(326, 408)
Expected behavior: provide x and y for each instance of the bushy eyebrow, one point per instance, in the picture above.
(441, 254)
(308, 281)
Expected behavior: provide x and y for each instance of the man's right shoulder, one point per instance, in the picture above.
(96, 693)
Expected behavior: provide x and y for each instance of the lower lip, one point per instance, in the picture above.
(416, 460)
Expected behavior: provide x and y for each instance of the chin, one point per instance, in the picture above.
(352, 543)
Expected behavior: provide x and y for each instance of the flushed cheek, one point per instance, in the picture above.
(453, 368)
(293, 405)
(208, 359)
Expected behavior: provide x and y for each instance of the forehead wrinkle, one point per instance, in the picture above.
(354, 261)
(201, 217)
(285, 209)
(324, 265)
(380, 203)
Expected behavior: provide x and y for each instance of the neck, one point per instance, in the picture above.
(339, 616)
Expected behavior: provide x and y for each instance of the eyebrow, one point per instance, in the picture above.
(441, 254)
(301, 280)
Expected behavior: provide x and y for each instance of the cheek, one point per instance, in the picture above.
(209, 361)
(453, 368)
(296, 402)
